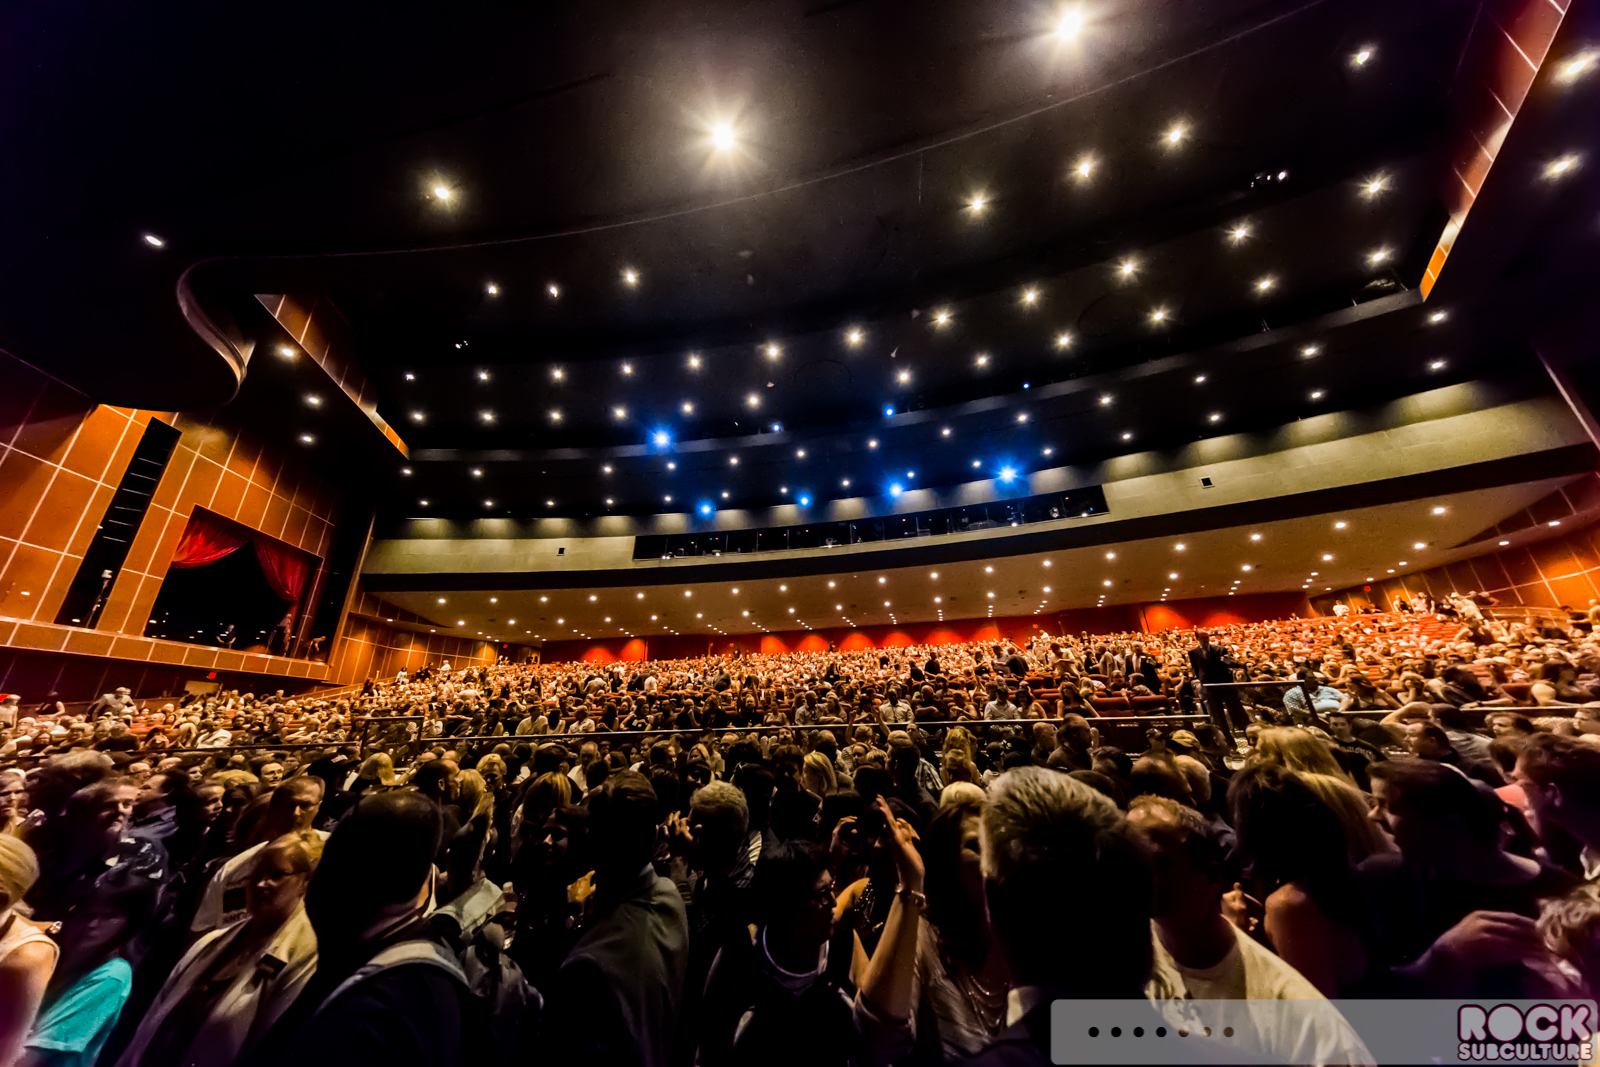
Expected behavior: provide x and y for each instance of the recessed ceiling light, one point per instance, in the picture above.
(1361, 57)
(1309, 350)
(442, 192)
(1215, 416)
(1128, 266)
(1158, 315)
(153, 241)
(1379, 256)
(313, 399)
(1437, 364)
(307, 439)
(1176, 134)
(978, 203)
(753, 400)
(1127, 437)
(941, 318)
(1316, 394)
(486, 416)
(1030, 296)
(619, 413)
(1502, 542)
(1572, 69)
(904, 376)
(1199, 379)
(630, 276)
(1239, 233)
(1022, 416)
(1557, 167)
(1174, 574)
(492, 289)
(1263, 284)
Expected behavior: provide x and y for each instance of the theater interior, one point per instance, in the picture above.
(1054, 500)
(643, 331)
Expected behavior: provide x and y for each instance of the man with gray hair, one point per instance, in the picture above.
(1052, 845)
(713, 865)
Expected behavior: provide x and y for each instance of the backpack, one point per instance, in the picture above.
(492, 1028)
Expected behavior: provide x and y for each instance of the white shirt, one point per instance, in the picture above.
(900, 712)
(1251, 972)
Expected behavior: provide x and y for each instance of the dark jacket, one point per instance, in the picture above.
(616, 998)
(1210, 663)
(749, 1019)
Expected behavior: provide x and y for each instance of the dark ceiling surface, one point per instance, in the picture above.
(902, 242)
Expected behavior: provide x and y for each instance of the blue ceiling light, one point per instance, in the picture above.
(661, 438)
(895, 489)
(805, 501)
(705, 509)
(888, 411)
(1008, 474)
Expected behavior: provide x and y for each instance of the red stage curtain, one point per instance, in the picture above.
(286, 569)
(207, 539)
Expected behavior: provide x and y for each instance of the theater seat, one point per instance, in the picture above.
(1150, 705)
(1521, 692)
(1110, 705)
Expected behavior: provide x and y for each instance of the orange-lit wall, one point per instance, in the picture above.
(61, 457)
(1562, 570)
(372, 650)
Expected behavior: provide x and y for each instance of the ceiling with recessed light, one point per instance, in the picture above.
(1311, 553)
(631, 258)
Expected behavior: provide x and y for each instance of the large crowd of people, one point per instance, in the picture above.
(876, 857)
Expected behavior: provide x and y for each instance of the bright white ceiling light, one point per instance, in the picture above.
(630, 276)
(1557, 167)
(978, 203)
(723, 137)
(1176, 134)
(1572, 69)
(854, 337)
(153, 241)
(1362, 56)
(941, 318)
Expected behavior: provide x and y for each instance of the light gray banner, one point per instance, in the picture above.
(1322, 1031)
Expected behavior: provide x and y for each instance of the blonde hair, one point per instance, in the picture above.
(958, 737)
(1362, 836)
(19, 869)
(472, 794)
(304, 846)
(817, 774)
(957, 766)
(1299, 750)
(1569, 924)
(960, 794)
